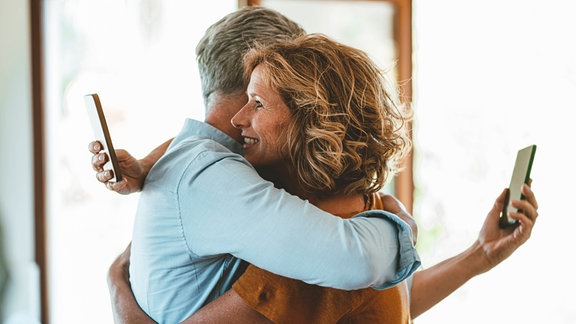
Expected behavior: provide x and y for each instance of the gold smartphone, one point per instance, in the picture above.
(102, 134)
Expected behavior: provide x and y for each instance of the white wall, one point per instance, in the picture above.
(20, 303)
(492, 77)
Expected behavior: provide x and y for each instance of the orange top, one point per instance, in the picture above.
(284, 300)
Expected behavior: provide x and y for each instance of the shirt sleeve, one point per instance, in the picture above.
(227, 208)
(408, 258)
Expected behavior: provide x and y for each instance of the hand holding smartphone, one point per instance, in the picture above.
(520, 175)
(102, 134)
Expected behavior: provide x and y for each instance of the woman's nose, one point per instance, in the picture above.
(240, 120)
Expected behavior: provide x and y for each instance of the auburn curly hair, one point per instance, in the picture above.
(347, 134)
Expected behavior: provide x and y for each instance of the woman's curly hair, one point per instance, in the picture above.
(347, 133)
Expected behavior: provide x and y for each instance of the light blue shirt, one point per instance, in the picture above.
(203, 209)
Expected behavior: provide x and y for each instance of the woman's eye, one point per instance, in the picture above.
(258, 104)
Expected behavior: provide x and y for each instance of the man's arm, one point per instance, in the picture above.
(393, 205)
(124, 306)
(493, 246)
(223, 201)
(134, 171)
(228, 308)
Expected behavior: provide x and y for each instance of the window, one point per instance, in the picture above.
(491, 77)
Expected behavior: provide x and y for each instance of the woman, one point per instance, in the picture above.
(320, 122)
(319, 112)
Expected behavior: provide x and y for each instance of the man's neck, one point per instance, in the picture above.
(219, 112)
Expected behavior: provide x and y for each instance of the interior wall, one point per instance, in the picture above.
(20, 300)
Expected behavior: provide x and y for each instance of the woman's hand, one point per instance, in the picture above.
(499, 243)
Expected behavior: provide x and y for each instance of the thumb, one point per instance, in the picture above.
(499, 204)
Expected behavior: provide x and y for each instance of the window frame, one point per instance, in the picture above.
(39, 164)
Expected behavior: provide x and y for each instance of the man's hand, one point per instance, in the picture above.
(394, 206)
(133, 172)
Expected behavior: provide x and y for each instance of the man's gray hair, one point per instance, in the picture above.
(221, 50)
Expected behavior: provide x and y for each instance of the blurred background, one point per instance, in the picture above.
(489, 77)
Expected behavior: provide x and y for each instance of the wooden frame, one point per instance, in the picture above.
(402, 24)
(36, 41)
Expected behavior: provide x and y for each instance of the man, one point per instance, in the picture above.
(202, 188)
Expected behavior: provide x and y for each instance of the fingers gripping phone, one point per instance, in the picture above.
(520, 175)
(102, 134)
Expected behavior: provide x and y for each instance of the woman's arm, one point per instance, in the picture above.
(124, 306)
(228, 308)
(493, 246)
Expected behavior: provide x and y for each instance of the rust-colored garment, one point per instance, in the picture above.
(284, 300)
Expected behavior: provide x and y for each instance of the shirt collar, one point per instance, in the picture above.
(201, 129)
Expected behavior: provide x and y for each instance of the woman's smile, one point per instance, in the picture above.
(249, 141)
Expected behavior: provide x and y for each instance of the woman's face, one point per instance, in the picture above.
(263, 121)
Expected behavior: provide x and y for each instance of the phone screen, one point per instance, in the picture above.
(102, 134)
(520, 175)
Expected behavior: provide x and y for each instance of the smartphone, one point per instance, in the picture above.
(102, 134)
(520, 175)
